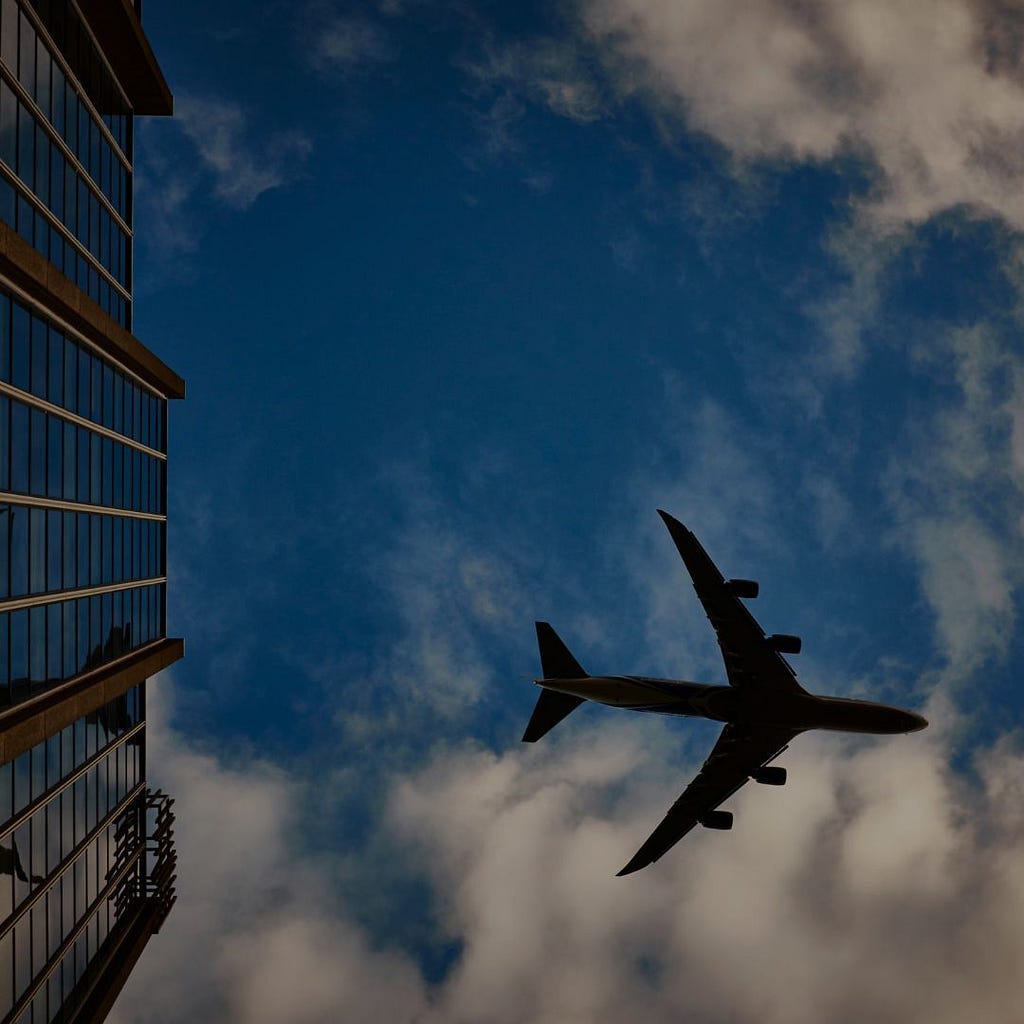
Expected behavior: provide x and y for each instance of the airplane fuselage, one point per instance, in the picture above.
(739, 705)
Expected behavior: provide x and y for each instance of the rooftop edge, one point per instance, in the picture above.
(118, 30)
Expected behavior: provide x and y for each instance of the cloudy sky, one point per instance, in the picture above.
(463, 292)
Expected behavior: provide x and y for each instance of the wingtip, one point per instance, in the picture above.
(669, 520)
(634, 865)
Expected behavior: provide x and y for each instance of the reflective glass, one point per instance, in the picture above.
(18, 442)
(5, 443)
(8, 126)
(19, 347)
(9, 33)
(17, 519)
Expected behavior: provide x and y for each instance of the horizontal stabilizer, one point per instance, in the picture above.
(555, 660)
(551, 708)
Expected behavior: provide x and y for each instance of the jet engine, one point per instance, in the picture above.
(742, 588)
(784, 643)
(721, 820)
(770, 776)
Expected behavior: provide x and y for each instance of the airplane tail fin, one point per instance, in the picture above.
(556, 663)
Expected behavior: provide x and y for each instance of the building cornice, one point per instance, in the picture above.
(118, 30)
(32, 721)
(41, 282)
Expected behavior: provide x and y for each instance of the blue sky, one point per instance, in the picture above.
(462, 294)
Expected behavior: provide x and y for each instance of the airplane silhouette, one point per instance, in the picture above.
(763, 707)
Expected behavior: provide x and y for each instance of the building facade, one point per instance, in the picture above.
(86, 852)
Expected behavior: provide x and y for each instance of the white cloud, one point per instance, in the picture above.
(245, 162)
(253, 936)
(546, 73)
(955, 485)
(921, 90)
(850, 891)
(347, 43)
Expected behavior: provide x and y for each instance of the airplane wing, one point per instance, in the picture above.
(739, 752)
(749, 660)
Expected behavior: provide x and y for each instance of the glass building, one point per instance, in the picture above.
(86, 849)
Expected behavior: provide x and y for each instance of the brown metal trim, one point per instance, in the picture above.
(60, 505)
(119, 33)
(16, 604)
(32, 721)
(27, 398)
(37, 278)
(99, 989)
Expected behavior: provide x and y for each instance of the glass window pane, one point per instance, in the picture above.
(108, 472)
(37, 465)
(54, 549)
(19, 656)
(9, 34)
(69, 616)
(96, 412)
(84, 383)
(19, 447)
(42, 172)
(55, 376)
(108, 549)
(37, 645)
(26, 148)
(70, 376)
(54, 457)
(82, 488)
(82, 546)
(19, 347)
(5, 559)
(95, 469)
(116, 544)
(5, 699)
(95, 565)
(68, 550)
(37, 550)
(42, 83)
(26, 53)
(8, 126)
(70, 460)
(5, 443)
(18, 537)
(54, 639)
(39, 358)
(5, 337)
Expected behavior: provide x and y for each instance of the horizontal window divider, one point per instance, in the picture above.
(69, 237)
(15, 604)
(58, 58)
(26, 98)
(72, 417)
(101, 897)
(57, 504)
(58, 787)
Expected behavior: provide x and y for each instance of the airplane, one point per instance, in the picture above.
(763, 706)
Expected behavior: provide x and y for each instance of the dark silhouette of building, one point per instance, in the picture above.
(86, 851)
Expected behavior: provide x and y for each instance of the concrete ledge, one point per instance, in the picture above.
(119, 32)
(45, 284)
(33, 720)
